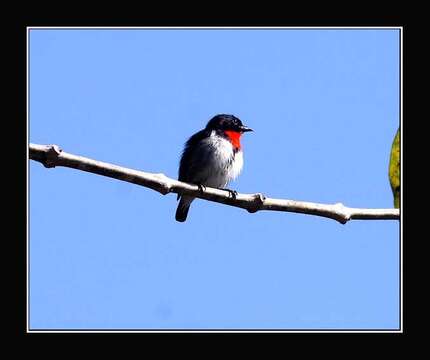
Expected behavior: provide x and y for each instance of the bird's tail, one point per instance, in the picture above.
(183, 207)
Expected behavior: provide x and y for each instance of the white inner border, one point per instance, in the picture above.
(229, 28)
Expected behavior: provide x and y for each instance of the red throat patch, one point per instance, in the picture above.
(234, 137)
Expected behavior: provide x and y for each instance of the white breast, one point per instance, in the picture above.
(226, 165)
(237, 165)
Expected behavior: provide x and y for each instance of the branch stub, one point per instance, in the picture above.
(52, 156)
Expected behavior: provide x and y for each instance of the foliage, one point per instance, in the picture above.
(394, 169)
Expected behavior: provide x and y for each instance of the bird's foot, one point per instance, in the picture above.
(202, 188)
(233, 193)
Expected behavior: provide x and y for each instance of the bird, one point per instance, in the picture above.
(211, 157)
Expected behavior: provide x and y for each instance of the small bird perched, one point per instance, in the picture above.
(211, 157)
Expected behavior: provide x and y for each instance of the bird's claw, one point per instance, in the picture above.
(202, 188)
(232, 193)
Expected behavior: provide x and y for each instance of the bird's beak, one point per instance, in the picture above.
(245, 128)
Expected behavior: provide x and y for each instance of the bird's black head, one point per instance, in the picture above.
(227, 122)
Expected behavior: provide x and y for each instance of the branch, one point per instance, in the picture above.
(52, 155)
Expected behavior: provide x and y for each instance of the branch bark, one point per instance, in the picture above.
(52, 155)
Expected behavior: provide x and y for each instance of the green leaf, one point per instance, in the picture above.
(394, 169)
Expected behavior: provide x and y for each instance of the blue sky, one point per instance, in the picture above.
(105, 254)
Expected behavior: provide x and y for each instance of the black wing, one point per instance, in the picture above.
(192, 157)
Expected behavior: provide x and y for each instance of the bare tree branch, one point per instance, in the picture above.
(52, 155)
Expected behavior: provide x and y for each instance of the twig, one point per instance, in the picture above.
(52, 155)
